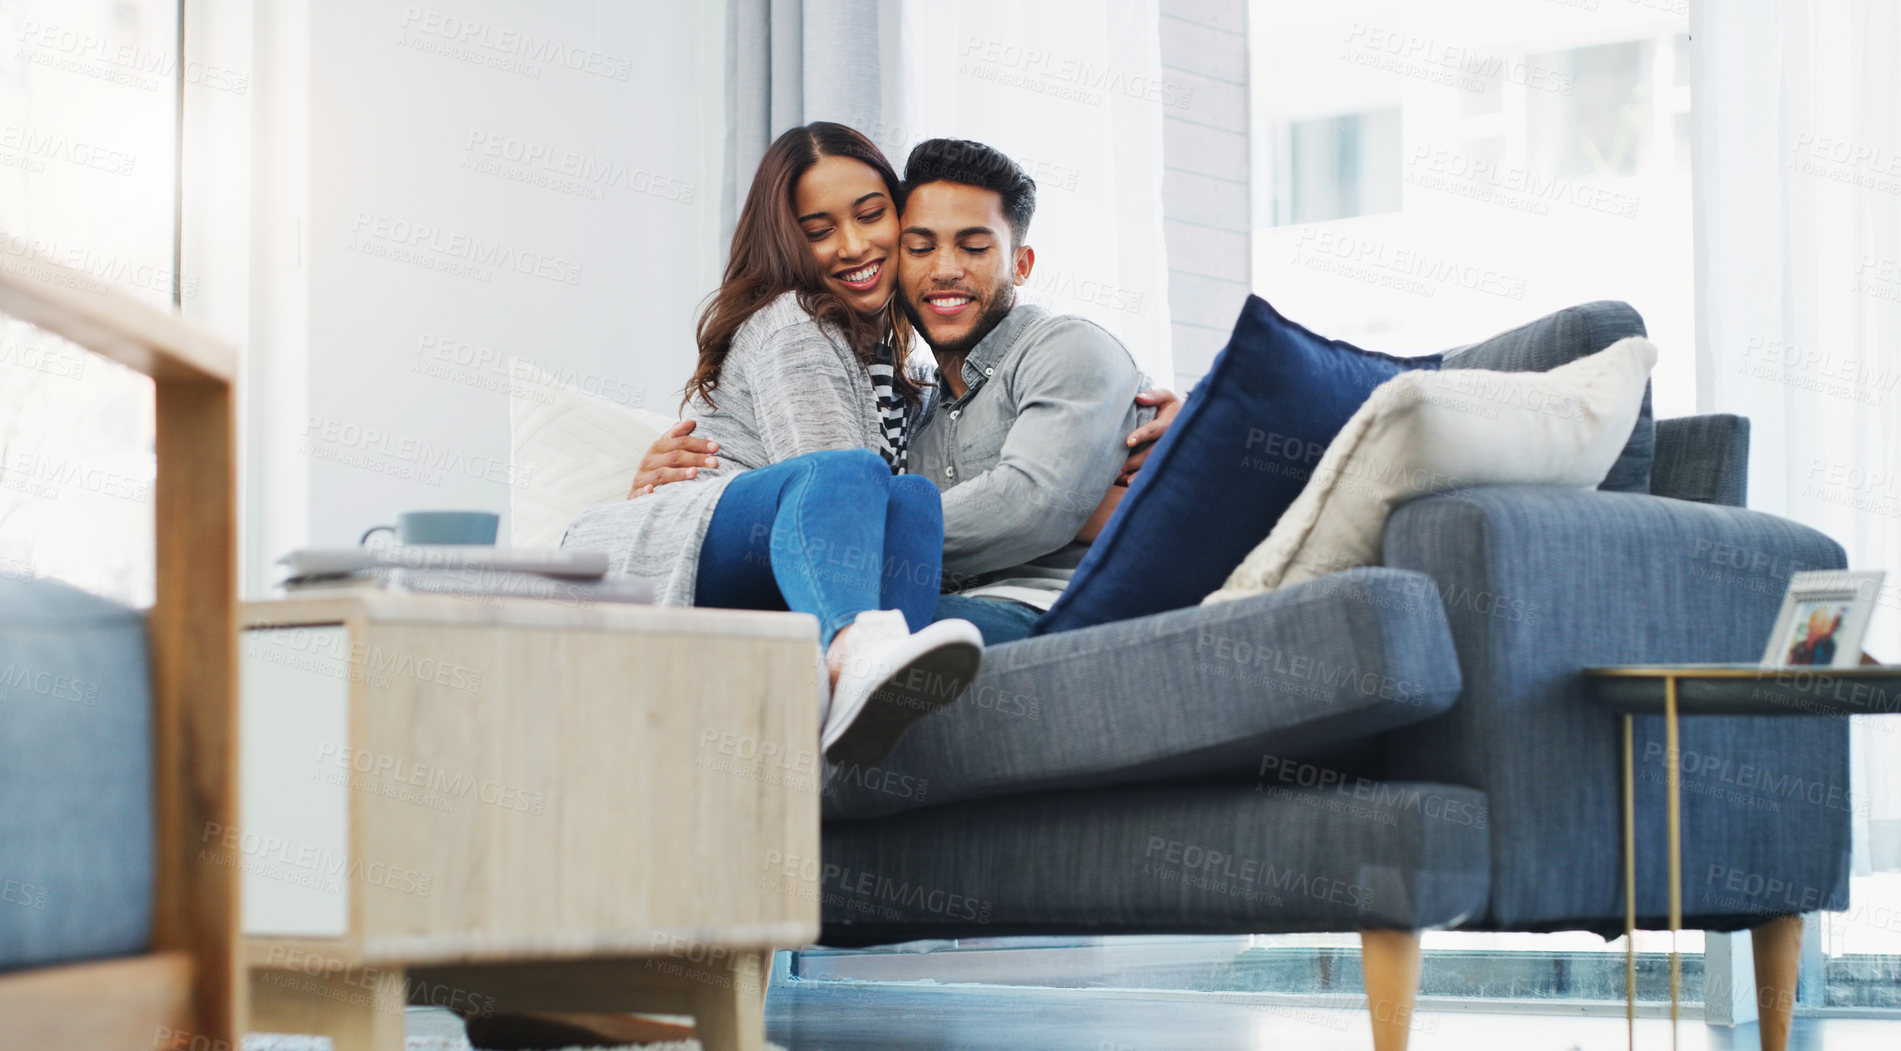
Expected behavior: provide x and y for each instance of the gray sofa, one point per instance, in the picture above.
(1407, 747)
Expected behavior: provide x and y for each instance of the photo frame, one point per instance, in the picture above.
(1823, 619)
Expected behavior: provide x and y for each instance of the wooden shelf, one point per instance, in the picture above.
(130, 1002)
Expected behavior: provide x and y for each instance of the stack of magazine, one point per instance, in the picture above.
(461, 569)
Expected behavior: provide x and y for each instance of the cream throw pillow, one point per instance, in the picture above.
(1429, 432)
(569, 450)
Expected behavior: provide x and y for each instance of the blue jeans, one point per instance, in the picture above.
(830, 533)
(999, 619)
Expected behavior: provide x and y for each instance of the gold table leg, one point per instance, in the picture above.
(1630, 885)
(1674, 822)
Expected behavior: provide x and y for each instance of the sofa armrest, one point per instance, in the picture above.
(1202, 693)
(1538, 583)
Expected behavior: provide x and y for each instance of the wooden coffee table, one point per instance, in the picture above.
(515, 805)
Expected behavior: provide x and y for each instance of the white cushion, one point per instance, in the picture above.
(568, 450)
(1429, 432)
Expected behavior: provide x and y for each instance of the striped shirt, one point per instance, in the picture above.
(891, 409)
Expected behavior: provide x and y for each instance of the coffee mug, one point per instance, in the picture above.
(441, 527)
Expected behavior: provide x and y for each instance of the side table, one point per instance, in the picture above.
(1677, 690)
(519, 805)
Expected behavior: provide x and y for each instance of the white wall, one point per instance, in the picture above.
(435, 190)
(1206, 213)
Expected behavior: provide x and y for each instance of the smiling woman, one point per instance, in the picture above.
(852, 224)
(823, 205)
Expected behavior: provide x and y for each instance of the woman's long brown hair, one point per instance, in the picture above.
(770, 256)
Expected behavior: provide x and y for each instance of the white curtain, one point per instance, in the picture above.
(1073, 91)
(791, 62)
(1798, 217)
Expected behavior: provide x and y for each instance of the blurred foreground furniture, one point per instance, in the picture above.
(617, 810)
(131, 933)
(512, 805)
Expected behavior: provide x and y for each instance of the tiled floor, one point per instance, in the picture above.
(835, 1017)
(840, 1017)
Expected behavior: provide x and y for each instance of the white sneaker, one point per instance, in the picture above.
(890, 678)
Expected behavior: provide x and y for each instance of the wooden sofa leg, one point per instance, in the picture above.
(1777, 946)
(1389, 963)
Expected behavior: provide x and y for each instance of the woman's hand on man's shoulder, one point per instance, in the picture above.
(675, 456)
(1141, 440)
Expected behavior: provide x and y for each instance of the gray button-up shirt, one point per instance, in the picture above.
(1027, 453)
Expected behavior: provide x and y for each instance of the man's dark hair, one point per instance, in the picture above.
(974, 164)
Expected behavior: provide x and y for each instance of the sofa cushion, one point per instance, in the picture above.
(578, 448)
(1704, 459)
(1203, 691)
(76, 775)
(1565, 336)
(1178, 859)
(1245, 443)
(1429, 432)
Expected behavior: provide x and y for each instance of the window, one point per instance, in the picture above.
(87, 135)
(1599, 130)
(1442, 173)
(1340, 167)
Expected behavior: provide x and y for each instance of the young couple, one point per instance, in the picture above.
(815, 472)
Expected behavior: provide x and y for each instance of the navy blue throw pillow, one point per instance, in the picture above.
(1242, 449)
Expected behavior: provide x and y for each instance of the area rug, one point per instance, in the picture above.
(288, 1042)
